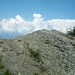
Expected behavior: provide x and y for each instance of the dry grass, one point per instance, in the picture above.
(69, 36)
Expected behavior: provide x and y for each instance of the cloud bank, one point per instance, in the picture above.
(19, 25)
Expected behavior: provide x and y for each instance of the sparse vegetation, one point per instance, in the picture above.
(1, 42)
(19, 40)
(35, 55)
(7, 72)
(0, 58)
(43, 68)
(69, 36)
(1, 64)
(35, 74)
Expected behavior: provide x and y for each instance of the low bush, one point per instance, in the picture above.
(35, 55)
(7, 72)
(71, 31)
(1, 64)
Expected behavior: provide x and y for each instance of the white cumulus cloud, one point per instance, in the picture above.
(62, 24)
(19, 25)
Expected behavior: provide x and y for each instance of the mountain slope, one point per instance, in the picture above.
(40, 53)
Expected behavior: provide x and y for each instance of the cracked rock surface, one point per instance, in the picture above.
(40, 53)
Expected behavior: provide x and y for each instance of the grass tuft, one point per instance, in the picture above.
(35, 55)
(7, 72)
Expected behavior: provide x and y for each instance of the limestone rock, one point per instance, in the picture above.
(40, 53)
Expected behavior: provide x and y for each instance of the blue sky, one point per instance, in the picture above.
(35, 13)
(49, 9)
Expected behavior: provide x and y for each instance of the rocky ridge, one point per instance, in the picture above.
(42, 52)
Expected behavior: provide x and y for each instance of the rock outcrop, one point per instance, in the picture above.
(40, 53)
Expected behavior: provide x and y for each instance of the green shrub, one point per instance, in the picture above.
(71, 31)
(35, 74)
(0, 58)
(1, 64)
(1, 42)
(7, 72)
(35, 55)
(43, 68)
(19, 40)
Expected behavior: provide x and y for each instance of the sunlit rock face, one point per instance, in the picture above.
(42, 52)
